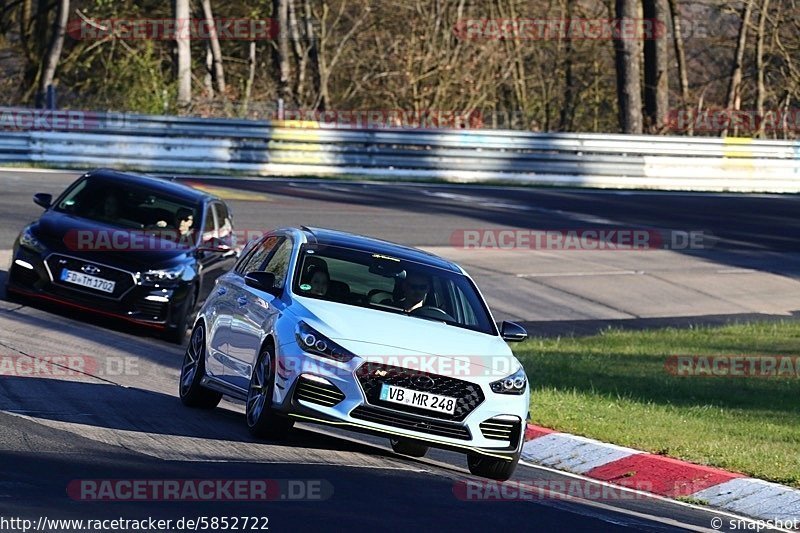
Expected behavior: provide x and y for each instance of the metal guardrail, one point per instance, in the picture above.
(224, 146)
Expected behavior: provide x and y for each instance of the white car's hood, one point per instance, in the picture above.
(379, 335)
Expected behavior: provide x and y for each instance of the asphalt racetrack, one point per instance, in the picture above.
(122, 420)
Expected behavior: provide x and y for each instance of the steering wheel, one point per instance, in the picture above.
(429, 311)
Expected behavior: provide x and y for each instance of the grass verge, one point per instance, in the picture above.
(615, 387)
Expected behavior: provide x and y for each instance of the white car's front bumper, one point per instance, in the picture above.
(344, 394)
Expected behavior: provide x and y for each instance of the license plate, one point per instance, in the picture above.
(415, 398)
(85, 280)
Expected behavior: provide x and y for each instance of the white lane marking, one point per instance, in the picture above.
(744, 519)
(578, 274)
(737, 271)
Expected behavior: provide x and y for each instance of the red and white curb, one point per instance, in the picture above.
(660, 475)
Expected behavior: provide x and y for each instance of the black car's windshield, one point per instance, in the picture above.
(390, 284)
(129, 207)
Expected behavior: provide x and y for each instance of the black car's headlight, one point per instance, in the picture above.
(29, 240)
(516, 383)
(312, 341)
(167, 275)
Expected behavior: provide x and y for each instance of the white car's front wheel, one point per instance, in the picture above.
(491, 467)
(408, 447)
(192, 393)
(262, 421)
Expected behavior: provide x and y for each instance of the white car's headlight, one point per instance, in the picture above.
(516, 383)
(28, 240)
(312, 341)
(162, 275)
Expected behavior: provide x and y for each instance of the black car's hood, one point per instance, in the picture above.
(95, 241)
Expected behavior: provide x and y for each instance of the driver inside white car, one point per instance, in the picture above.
(415, 290)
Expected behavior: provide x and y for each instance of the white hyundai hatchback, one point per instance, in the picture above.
(328, 327)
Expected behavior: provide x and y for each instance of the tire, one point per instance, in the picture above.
(262, 421)
(177, 333)
(192, 370)
(408, 447)
(490, 467)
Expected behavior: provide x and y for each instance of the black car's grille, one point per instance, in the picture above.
(152, 310)
(412, 422)
(501, 429)
(319, 393)
(123, 280)
(371, 376)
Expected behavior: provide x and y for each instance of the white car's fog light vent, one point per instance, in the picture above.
(317, 392)
(501, 429)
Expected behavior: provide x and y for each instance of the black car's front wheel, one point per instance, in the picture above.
(491, 467)
(192, 393)
(184, 318)
(262, 421)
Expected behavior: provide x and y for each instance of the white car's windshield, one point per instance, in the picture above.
(390, 284)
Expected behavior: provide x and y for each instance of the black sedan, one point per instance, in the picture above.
(139, 248)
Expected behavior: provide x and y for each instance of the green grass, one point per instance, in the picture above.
(614, 387)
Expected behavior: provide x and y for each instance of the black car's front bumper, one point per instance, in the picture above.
(37, 275)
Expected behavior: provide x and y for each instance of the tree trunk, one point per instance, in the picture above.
(251, 76)
(183, 53)
(570, 89)
(280, 12)
(53, 54)
(628, 70)
(734, 87)
(760, 89)
(313, 52)
(208, 79)
(216, 51)
(656, 65)
(680, 56)
(300, 55)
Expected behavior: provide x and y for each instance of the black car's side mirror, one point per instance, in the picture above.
(512, 332)
(263, 281)
(43, 199)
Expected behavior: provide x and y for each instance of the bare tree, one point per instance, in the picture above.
(183, 53)
(680, 57)
(251, 76)
(280, 12)
(628, 69)
(760, 88)
(216, 52)
(53, 55)
(734, 101)
(570, 89)
(656, 61)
